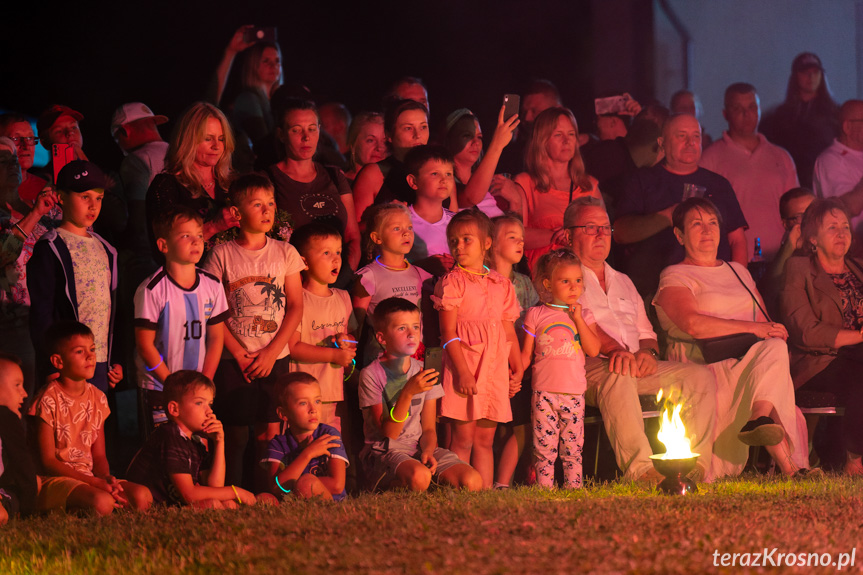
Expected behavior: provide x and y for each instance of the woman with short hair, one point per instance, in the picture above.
(822, 303)
(704, 297)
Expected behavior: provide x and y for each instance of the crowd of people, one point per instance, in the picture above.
(313, 302)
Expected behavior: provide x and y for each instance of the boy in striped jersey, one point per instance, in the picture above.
(179, 310)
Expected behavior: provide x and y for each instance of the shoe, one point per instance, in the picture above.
(761, 431)
(697, 474)
(808, 474)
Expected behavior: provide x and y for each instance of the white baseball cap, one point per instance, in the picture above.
(128, 113)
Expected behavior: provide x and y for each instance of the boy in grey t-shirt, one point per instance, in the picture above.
(399, 423)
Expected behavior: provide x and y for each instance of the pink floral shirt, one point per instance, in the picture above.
(77, 423)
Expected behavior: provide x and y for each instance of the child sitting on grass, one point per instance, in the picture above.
(399, 405)
(70, 415)
(18, 485)
(183, 461)
(322, 345)
(72, 274)
(179, 309)
(309, 460)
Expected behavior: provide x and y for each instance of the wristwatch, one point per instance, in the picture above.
(651, 351)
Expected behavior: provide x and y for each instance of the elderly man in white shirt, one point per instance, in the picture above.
(629, 364)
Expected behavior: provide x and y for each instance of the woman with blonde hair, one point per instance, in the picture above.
(367, 143)
(197, 170)
(555, 177)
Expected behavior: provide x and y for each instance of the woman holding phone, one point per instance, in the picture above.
(474, 171)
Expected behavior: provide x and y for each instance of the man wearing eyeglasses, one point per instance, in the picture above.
(17, 128)
(759, 171)
(629, 362)
(839, 168)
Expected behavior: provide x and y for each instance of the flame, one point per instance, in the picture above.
(672, 434)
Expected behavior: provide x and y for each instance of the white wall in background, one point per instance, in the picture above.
(755, 41)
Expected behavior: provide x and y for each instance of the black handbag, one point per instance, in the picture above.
(734, 345)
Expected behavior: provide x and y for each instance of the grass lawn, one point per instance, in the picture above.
(608, 528)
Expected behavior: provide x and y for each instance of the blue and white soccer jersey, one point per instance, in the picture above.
(180, 318)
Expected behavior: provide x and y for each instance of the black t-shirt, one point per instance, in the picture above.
(168, 452)
(166, 193)
(805, 129)
(653, 189)
(395, 186)
(318, 200)
(610, 162)
(19, 472)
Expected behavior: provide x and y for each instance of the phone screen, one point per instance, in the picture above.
(62, 154)
(511, 102)
(434, 360)
(256, 34)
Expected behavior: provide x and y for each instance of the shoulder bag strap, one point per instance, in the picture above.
(755, 299)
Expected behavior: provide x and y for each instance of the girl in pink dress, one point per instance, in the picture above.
(482, 363)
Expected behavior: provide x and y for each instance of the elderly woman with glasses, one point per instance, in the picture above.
(822, 304)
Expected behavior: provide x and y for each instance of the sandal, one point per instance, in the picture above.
(761, 431)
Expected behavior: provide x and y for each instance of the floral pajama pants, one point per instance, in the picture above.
(558, 431)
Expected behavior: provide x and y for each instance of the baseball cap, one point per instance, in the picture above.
(806, 60)
(79, 176)
(128, 113)
(49, 116)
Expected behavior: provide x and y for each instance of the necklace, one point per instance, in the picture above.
(395, 269)
(464, 269)
(557, 305)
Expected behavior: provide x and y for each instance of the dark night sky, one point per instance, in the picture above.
(469, 53)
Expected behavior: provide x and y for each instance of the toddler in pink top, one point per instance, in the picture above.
(482, 364)
(559, 333)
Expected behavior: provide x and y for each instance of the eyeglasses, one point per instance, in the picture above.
(794, 220)
(594, 230)
(25, 140)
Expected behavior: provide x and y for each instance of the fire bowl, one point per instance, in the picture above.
(674, 471)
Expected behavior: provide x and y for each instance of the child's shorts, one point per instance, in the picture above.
(239, 402)
(381, 463)
(55, 491)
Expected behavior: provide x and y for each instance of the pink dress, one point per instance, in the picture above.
(483, 303)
